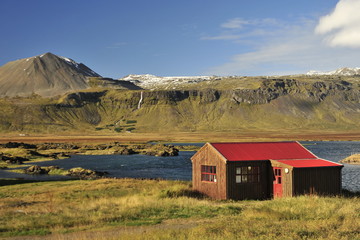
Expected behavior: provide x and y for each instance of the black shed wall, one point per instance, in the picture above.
(320, 180)
(242, 191)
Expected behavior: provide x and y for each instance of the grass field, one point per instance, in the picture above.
(189, 137)
(157, 209)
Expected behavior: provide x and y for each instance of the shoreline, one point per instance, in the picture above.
(187, 137)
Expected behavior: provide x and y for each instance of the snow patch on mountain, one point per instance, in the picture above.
(149, 81)
(339, 72)
(79, 66)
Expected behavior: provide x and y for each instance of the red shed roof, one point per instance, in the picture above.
(304, 163)
(263, 151)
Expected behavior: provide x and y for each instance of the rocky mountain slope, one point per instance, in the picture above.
(48, 75)
(89, 103)
(279, 104)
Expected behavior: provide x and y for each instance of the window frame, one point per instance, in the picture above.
(208, 173)
(247, 174)
(278, 175)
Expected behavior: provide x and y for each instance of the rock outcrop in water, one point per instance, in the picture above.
(77, 172)
(353, 159)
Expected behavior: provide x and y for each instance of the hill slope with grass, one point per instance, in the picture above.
(227, 105)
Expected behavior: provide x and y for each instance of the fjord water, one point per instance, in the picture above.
(179, 167)
(336, 151)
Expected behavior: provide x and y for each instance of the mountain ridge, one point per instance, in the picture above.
(283, 105)
(345, 71)
(197, 104)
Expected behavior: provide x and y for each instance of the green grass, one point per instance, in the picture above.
(156, 209)
(163, 112)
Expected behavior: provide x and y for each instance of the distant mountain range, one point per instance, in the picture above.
(338, 72)
(149, 81)
(88, 103)
(50, 75)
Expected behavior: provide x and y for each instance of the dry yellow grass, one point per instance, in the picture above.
(353, 159)
(154, 209)
(189, 137)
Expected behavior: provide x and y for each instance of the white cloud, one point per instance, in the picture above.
(280, 48)
(222, 37)
(239, 23)
(342, 26)
(294, 50)
(235, 23)
(240, 29)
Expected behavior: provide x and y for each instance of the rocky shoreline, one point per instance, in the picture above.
(13, 154)
(77, 172)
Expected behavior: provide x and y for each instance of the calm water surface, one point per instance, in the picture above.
(179, 167)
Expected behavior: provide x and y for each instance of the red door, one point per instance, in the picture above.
(278, 191)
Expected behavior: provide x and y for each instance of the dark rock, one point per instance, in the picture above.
(79, 99)
(18, 145)
(65, 146)
(21, 159)
(103, 147)
(37, 154)
(39, 170)
(62, 155)
(13, 160)
(126, 151)
(162, 150)
(35, 170)
(50, 168)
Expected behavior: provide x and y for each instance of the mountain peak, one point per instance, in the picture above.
(47, 54)
(46, 74)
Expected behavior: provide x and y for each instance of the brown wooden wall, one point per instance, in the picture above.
(207, 155)
(321, 181)
(242, 191)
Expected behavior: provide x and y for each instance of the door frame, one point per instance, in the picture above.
(277, 182)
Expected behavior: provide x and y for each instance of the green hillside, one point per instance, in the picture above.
(233, 104)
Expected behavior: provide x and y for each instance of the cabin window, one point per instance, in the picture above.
(277, 173)
(247, 174)
(208, 173)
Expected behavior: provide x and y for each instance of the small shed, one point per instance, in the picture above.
(262, 170)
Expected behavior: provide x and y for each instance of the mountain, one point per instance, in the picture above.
(149, 81)
(91, 104)
(339, 72)
(281, 105)
(45, 75)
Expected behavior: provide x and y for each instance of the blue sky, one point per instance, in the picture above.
(189, 37)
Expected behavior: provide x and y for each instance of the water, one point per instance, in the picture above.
(336, 151)
(179, 167)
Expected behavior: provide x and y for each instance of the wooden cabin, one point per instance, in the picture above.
(262, 170)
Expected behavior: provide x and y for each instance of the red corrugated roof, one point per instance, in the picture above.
(263, 151)
(309, 163)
